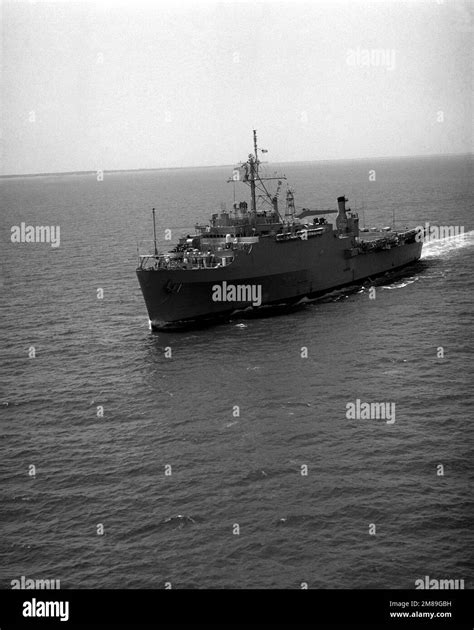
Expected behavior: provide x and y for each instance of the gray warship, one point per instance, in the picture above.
(255, 257)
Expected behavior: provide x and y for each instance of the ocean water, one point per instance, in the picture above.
(229, 469)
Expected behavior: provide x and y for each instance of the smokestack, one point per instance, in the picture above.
(341, 219)
(341, 203)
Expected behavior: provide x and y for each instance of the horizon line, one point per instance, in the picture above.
(173, 168)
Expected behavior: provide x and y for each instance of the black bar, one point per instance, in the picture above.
(191, 608)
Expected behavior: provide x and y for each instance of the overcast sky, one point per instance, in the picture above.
(118, 85)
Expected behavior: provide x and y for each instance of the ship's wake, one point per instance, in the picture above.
(446, 246)
(402, 284)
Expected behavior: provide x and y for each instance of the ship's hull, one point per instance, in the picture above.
(285, 273)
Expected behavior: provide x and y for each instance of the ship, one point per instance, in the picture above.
(259, 256)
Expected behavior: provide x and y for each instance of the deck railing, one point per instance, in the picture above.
(162, 261)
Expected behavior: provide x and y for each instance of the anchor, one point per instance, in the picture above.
(173, 287)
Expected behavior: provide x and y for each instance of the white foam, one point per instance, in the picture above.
(446, 246)
(401, 284)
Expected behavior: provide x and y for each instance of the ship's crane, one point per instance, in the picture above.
(290, 204)
(278, 188)
(276, 195)
(305, 212)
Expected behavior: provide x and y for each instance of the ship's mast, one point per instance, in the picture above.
(255, 150)
(253, 162)
(154, 232)
(256, 182)
(253, 196)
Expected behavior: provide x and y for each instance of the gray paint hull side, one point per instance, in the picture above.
(286, 272)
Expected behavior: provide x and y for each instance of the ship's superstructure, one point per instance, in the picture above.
(256, 256)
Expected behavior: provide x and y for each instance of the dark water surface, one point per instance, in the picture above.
(229, 469)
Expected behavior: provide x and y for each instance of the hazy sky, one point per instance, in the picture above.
(117, 85)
